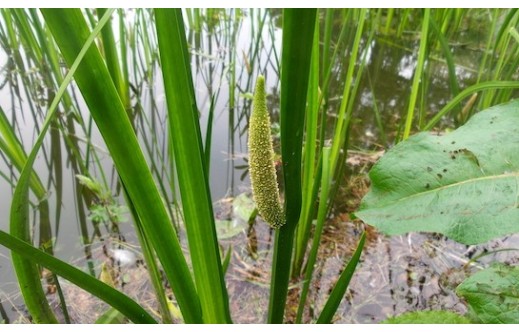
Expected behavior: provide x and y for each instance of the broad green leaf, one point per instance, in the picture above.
(243, 210)
(227, 229)
(243, 207)
(463, 184)
(428, 317)
(493, 294)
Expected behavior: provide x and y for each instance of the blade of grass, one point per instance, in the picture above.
(116, 73)
(327, 45)
(321, 216)
(311, 123)
(343, 120)
(404, 19)
(506, 65)
(227, 259)
(340, 287)
(189, 159)
(151, 264)
(26, 271)
(449, 59)
(488, 53)
(298, 33)
(116, 299)
(57, 165)
(342, 127)
(417, 74)
(111, 316)
(466, 93)
(378, 119)
(208, 135)
(70, 31)
(123, 48)
(389, 19)
(112, 61)
(12, 147)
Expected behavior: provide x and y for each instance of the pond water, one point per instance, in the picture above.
(396, 274)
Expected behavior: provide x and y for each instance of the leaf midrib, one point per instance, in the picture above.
(445, 187)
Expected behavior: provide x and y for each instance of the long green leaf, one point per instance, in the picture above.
(189, 159)
(469, 92)
(12, 147)
(321, 216)
(341, 286)
(116, 299)
(69, 29)
(26, 271)
(298, 33)
(449, 59)
(112, 61)
(151, 263)
(311, 123)
(344, 116)
(417, 78)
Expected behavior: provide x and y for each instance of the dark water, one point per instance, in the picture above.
(396, 274)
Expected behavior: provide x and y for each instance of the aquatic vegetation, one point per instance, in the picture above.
(202, 296)
(331, 89)
(462, 184)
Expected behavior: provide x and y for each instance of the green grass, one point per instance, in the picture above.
(323, 72)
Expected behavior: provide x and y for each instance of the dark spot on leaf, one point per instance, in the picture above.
(439, 175)
(444, 151)
(427, 186)
(456, 151)
(441, 212)
(444, 170)
(429, 169)
(453, 157)
(453, 142)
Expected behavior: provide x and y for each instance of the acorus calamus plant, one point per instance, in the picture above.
(261, 160)
(199, 288)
